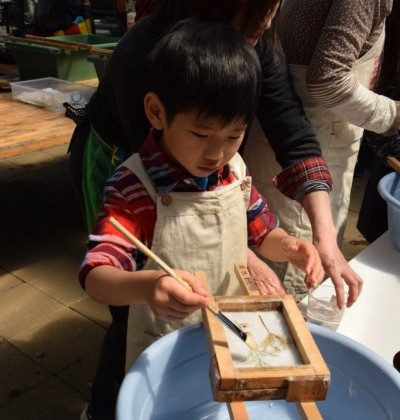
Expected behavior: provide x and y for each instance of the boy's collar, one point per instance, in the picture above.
(163, 172)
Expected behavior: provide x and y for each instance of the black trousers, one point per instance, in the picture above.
(110, 370)
(372, 219)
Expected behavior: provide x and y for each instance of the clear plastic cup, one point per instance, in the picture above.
(322, 307)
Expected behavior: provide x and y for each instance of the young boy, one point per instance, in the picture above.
(186, 194)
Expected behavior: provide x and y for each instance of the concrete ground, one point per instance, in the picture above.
(50, 331)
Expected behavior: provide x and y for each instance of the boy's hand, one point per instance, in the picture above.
(171, 301)
(303, 254)
(265, 279)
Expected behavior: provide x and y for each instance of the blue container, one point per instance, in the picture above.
(389, 189)
(170, 380)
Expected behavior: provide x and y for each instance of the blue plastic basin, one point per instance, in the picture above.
(170, 381)
(389, 189)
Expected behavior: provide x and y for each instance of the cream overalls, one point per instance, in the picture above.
(194, 231)
(339, 141)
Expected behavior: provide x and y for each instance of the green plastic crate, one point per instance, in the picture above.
(37, 61)
(100, 63)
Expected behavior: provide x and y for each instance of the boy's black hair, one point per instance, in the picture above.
(206, 67)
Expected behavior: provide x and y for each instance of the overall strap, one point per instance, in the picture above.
(135, 165)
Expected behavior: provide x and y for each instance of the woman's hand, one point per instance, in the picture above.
(338, 269)
(317, 206)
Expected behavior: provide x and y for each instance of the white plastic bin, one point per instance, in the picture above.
(51, 93)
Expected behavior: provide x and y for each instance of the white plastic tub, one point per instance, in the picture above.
(51, 93)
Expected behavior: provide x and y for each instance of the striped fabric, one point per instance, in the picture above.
(309, 174)
(128, 201)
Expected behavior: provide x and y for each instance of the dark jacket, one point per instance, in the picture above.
(117, 115)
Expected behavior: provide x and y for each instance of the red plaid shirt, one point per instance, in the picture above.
(307, 175)
(128, 201)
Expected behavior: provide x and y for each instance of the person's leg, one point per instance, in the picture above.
(372, 219)
(340, 147)
(76, 152)
(110, 368)
(341, 157)
(260, 159)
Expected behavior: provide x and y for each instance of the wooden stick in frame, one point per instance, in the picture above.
(307, 410)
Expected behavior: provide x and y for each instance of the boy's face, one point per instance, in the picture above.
(201, 145)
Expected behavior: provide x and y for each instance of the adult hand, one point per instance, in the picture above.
(337, 268)
(317, 206)
(265, 279)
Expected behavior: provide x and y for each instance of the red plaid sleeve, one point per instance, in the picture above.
(309, 175)
(260, 220)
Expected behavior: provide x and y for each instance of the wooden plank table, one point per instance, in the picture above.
(26, 128)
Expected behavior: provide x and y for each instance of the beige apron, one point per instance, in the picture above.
(340, 143)
(199, 231)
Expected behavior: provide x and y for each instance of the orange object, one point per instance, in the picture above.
(84, 27)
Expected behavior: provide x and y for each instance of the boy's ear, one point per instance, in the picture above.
(154, 110)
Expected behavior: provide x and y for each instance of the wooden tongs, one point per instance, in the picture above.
(393, 163)
(57, 43)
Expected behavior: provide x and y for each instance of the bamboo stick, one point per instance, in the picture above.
(394, 163)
